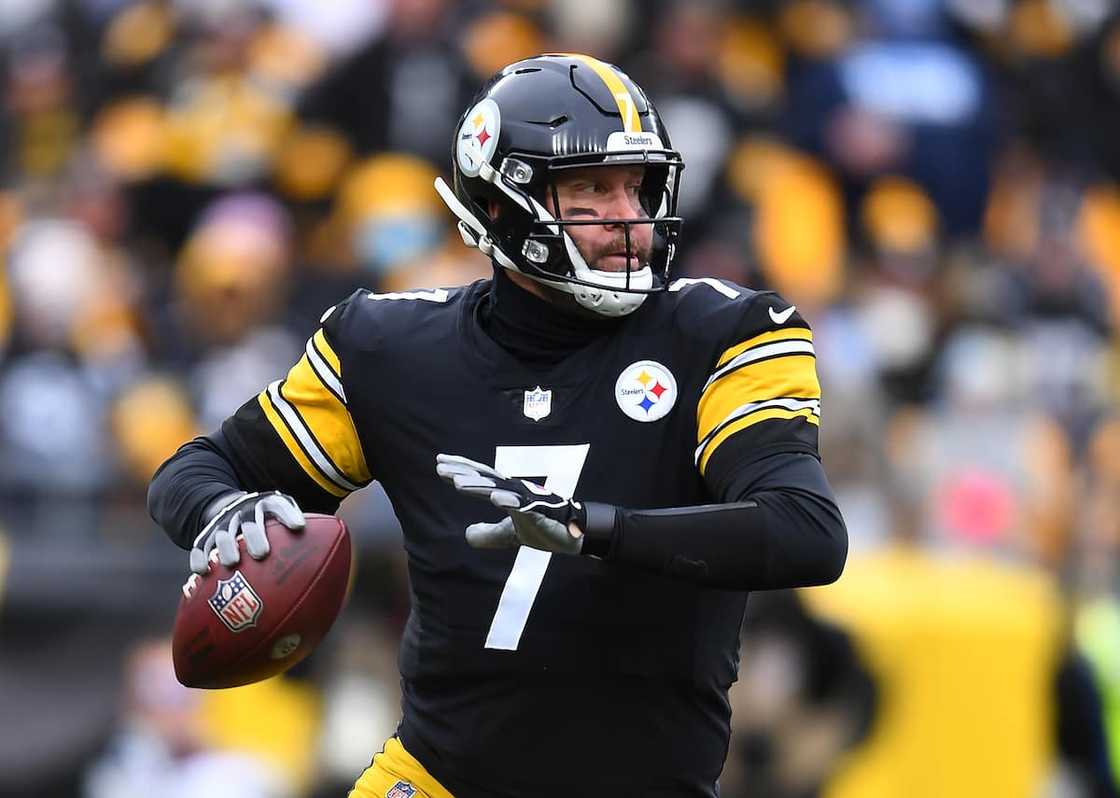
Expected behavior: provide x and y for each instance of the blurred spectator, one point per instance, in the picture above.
(338, 27)
(906, 100)
(597, 26)
(390, 213)
(361, 705)
(1097, 576)
(72, 327)
(44, 126)
(223, 126)
(161, 748)
(493, 40)
(397, 230)
(803, 699)
(680, 72)
(984, 465)
(232, 281)
(404, 90)
(969, 654)
(150, 420)
(798, 226)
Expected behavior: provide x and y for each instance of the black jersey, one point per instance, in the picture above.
(526, 672)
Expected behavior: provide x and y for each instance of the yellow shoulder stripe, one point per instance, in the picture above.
(328, 421)
(309, 414)
(294, 448)
(788, 377)
(746, 421)
(782, 334)
(627, 109)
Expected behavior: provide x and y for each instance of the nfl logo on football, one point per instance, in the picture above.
(402, 789)
(538, 403)
(236, 603)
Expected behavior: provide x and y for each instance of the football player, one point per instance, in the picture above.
(592, 463)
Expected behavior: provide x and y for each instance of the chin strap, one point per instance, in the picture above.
(605, 301)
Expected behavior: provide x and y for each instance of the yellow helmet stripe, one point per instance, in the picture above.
(627, 109)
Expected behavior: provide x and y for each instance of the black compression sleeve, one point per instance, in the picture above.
(784, 530)
(186, 485)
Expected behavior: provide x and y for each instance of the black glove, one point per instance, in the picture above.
(537, 517)
(242, 515)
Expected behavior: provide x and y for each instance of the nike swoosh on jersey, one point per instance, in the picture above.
(783, 317)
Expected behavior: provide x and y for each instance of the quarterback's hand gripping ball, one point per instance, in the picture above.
(537, 517)
(242, 514)
(248, 618)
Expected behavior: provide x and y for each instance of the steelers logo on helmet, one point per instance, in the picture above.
(478, 137)
(646, 391)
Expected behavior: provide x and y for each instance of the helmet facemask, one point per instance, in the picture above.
(540, 243)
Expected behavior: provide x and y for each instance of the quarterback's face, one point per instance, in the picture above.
(604, 192)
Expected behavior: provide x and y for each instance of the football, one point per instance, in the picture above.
(241, 624)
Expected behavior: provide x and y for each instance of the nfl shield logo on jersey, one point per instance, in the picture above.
(402, 789)
(538, 403)
(236, 603)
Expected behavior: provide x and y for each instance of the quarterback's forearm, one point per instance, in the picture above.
(787, 532)
(186, 485)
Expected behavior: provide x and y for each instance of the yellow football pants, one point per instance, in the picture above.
(396, 773)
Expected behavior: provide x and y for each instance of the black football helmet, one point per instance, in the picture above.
(529, 122)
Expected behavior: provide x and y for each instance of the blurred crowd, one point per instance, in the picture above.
(185, 185)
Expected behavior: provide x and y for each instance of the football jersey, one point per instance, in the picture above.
(524, 671)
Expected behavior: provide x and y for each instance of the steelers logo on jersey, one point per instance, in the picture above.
(478, 137)
(646, 391)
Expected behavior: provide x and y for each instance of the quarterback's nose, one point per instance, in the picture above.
(622, 205)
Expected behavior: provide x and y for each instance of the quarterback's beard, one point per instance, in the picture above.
(599, 258)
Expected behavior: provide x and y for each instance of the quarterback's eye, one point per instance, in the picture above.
(604, 189)
(587, 187)
(577, 198)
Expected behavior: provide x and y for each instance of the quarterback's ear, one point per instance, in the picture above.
(493, 209)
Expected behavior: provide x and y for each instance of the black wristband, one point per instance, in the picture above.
(598, 529)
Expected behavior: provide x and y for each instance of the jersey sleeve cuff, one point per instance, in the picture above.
(599, 529)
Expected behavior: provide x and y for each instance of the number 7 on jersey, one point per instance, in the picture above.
(561, 467)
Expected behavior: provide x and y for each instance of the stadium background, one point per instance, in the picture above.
(185, 186)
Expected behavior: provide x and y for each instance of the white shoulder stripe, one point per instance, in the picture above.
(752, 407)
(712, 282)
(775, 349)
(323, 371)
(427, 295)
(307, 440)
